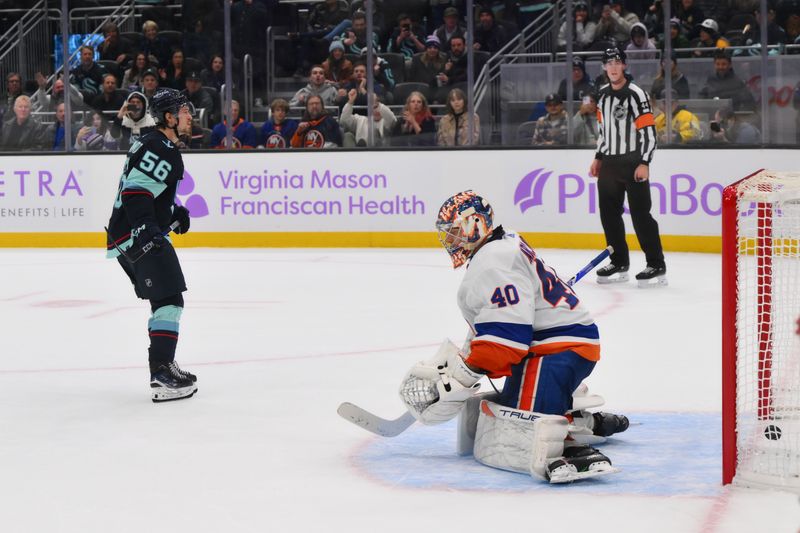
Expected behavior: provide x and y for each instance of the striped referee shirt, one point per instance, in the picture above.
(626, 123)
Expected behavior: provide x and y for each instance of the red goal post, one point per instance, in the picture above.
(760, 347)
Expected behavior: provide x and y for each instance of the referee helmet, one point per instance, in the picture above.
(614, 54)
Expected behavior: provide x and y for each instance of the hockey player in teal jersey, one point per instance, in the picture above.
(143, 211)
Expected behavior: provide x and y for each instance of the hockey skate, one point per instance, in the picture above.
(612, 273)
(652, 277)
(579, 462)
(184, 373)
(168, 383)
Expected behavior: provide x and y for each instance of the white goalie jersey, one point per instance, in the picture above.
(516, 304)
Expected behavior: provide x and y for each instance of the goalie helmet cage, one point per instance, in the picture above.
(760, 346)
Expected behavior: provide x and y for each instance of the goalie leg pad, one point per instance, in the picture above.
(519, 441)
(468, 422)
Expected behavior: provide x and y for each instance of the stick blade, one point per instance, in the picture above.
(375, 424)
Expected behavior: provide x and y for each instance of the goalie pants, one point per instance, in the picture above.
(157, 277)
(545, 383)
(613, 183)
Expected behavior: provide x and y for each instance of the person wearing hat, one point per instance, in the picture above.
(489, 35)
(641, 47)
(676, 34)
(685, 124)
(551, 129)
(451, 27)
(338, 69)
(625, 147)
(581, 81)
(404, 39)
(583, 29)
(149, 82)
(615, 23)
(679, 81)
(709, 39)
(689, 16)
(725, 85)
(425, 67)
(199, 97)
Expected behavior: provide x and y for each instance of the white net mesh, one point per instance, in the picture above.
(767, 345)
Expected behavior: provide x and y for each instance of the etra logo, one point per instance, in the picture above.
(529, 190)
(195, 203)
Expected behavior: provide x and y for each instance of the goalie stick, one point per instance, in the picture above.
(146, 247)
(393, 427)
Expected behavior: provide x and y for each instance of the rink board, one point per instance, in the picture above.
(370, 199)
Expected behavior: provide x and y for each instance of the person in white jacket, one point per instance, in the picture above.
(583, 30)
(357, 126)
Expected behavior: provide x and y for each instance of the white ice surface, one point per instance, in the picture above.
(278, 339)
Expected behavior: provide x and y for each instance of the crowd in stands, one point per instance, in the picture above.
(419, 66)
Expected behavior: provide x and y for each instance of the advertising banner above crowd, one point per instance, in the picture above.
(546, 192)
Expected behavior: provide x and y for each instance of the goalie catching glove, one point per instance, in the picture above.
(434, 391)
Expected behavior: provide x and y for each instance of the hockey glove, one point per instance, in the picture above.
(148, 236)
(181, 214)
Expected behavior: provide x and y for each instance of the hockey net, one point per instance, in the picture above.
(761, 348)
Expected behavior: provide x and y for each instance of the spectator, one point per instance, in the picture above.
(404, 39)
(133, 76)
(654, 20)
(249, 20)
(94, 135)
(581, 82)
(356, 127)
(689, 16)
(724, 84)
(244, 133)
(317, 86)
(327, 21)
(679, 39)
(23, 132)
(355, 38)
(615, 23)
(109, 99)
(551, 129)
(679, 81)
(114, 47)
(640, 47)
(132, 120)
(489, 35)
(775, 34)
(452, 27)
(279, 130)
(154, 45)
(583, 29)
(13, 89)
(453, 128)
(214, 75)
(416, 127)
(41, 101)
(382, 74)
(425, 67)
(149, 82)
(338, 69)
(56, 132)
(359, 83)
(200, 43)
(729, 128)
(685, 124)
(318, 129)
(88, 77)
(455, 69)
(378, 22)
(709, 39)
(174, 75)
(584, 123)
(199, 97)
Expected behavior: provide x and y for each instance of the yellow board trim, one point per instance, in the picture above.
(348, 239)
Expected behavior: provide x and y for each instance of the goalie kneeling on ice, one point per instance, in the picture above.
(533, 443)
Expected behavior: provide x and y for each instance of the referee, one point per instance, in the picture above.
(625, 147)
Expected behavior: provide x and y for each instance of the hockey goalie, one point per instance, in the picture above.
(529, 327)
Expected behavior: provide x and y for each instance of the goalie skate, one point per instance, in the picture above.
(652, 277)
(612, 273)
(579, 462)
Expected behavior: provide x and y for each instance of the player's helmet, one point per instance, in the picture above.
(464, 223)
(614, 53)
(166, 101)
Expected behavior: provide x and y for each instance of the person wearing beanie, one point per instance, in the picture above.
(452, 27)
(338, 69)
(489, 35)
(426, 66)
(583, 29)
(676, 34)
(582, 84)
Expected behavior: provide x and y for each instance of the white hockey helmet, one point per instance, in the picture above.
(463, 224)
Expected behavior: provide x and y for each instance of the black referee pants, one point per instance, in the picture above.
(614, 181)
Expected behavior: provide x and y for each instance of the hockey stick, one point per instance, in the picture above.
(590, 266)
(392, 428)
(146, 247)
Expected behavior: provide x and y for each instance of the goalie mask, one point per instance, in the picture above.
(463, 224)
